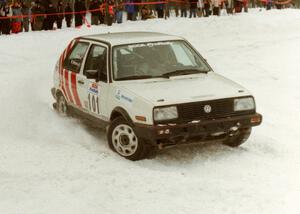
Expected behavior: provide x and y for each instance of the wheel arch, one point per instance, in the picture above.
(120, 112)
(59, 92)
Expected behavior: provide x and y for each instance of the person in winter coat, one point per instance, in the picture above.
(109, 12)
(1, 16)
(119, 11)
(193, 8)
(160, 10)
(80, 10)
(16, 25)
(101, 12)
(68, 15)
(269, 4)
(32, 5)
(238, 6)
(129, 9)
(94, 6)
(200, 6)
(26, 12)
(0, 21)
(37, 20)
(60, 15)
(216, 7)
(183, 8)
(245, 5)
(228, 6)
(176, 6)
(207, 8)
(5, 11)
(50, 17)
(146, 13)
(136, 10)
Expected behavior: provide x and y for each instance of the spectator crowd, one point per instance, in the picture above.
(17, 16)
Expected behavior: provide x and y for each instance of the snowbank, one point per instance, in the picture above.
(51, 165)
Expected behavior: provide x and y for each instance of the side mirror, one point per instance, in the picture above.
(91, 74)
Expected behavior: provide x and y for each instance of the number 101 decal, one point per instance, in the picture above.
(94, 103)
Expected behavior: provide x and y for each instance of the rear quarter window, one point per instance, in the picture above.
(73, 61)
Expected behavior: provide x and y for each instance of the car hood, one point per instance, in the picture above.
(183, 89)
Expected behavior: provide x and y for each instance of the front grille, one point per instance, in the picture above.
(219, 109)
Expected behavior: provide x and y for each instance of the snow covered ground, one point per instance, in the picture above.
(52, 165)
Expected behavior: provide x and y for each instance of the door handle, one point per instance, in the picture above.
(80, 82)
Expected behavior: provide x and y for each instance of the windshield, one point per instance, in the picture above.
(156, 59)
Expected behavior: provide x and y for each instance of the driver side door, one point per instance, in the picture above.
(94, 81)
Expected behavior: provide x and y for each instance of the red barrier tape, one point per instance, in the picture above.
(282, 3)
(102, 8)
(278, 2)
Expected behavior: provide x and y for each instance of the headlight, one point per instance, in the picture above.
(165, 113)
(243, 104)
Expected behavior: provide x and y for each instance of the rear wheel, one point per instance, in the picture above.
(123, 140)
(61, 106)
(238, 138)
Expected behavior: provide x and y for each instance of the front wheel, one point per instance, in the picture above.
(123, 140)
(238, 138)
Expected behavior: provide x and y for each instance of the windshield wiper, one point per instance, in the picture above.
(136, 77)
(165, 75)
(183, 72)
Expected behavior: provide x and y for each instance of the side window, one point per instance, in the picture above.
(95, 65)
(74, 59)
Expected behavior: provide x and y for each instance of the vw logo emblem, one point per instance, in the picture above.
(207, 109)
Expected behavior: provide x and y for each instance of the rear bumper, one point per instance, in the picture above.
(207, 128)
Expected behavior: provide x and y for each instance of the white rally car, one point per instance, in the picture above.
(150, 91)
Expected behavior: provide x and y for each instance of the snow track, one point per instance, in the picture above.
(52, 165)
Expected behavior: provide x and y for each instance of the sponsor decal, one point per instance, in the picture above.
(93, 89)
(128, 99)
(150, 44)
(120, 96)
(94, 103)
(93, 98)
(75, 63)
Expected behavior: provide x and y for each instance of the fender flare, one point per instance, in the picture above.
(59, 91)
(120, 111)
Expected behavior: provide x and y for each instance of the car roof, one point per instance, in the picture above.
(123, 38)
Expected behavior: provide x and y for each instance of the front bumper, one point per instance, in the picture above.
(204, 129)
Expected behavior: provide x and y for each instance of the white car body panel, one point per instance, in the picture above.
(185, 89)
(139, 97)
(122, 38)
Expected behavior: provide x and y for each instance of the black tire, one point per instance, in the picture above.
(123, 140)
(62, 106)
(238, 138)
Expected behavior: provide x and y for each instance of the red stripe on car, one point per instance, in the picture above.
(61, 76)
(67, 85)
(69, 48)
(74, 89)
